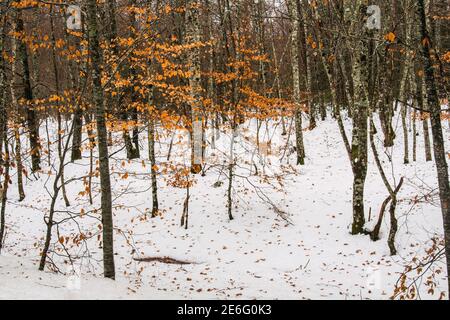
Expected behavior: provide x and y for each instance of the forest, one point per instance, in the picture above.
(224, 149)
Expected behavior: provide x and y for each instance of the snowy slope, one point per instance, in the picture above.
(257, 255)
(20, 279)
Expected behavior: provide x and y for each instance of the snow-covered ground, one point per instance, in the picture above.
(256, 255)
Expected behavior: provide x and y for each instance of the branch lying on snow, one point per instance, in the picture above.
(167, 260)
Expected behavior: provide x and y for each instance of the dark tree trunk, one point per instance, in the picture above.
(3, 133)
(4, 192)
(102, 137)
(132, 153)
(3, 86)
(151, 155)
(32, 121)
(77, 134)
(436, 129)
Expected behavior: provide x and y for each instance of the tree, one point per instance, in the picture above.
(102, 136)
(360, 76)
(436, 129)
(32, 121)
(294, 13)
(193, 36)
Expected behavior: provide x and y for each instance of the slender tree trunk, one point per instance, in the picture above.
(293, 13)
(151, 151)
(19, 165)
(3, 86)
(56, 189)
(385, 101)
(152, 158)
(193, 35)
(78, 117)
(134, 99)
(230, 177)
(405, 135)
(422, 105)
(426, 136)
(277, 77)
(123, 112)
(58, 112)
(4, 191)
(403, 86)
(185, 215)
(78, 114)
(102, 136)
(414, 129)
(15, 104)
(87, 120)
(32, 121)
(77, 137)
(425, 120)
(4, 160)
(307, 63)
(436, 129)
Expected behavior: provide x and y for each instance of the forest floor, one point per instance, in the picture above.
(258, 255)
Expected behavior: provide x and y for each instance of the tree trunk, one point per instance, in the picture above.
(360, 74)
(32, 121)
(58, 112)
(5, 161)
(193, 36)
(78, 114)
(414, 129)
(3, 116)
(436, 129)
(15, 105)
(152, 158)
(77, 136)
(102, 136)
(4, 192)
(307, 63)
(293, 13)
(54, 197)
(403, 86)
(123, 112)
(422, 105)
(426, 136)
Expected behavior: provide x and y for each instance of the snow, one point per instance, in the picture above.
(20, 279)
(257, 255)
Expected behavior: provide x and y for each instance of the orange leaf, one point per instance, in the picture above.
(390, 37)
